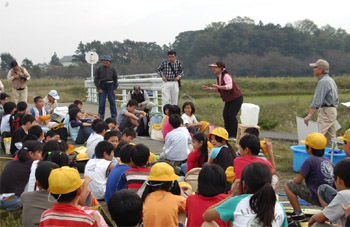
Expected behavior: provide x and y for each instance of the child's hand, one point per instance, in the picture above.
(347, 209)
(87, 179)
(268, 146)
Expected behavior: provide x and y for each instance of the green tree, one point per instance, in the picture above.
(6, 59)
(35, 71)
(55, 60)
(26, 63)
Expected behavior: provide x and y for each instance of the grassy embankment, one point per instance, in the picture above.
(280, 101)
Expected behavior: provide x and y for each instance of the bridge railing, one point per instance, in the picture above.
(147, 81)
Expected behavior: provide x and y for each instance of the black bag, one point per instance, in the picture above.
(172, 69)
(142, 129)
(104, 85)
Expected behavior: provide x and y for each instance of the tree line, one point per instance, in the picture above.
(247, 48)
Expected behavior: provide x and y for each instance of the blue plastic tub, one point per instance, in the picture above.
(299, 156)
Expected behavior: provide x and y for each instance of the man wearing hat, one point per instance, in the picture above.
(106, 82)
(325, 101)
(19, 77)
(51, 101)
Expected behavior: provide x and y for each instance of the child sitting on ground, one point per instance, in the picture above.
(176, 142)
(253, 202)
(249, 146)
(113, 137)
(42, 115)
(15, 175)
(174, 109)
(222, 154)
(316, 170)
(116, 180)
(51, 135)
(125, 208)
(36, 202)
(85, 113)
(128, 135)
(333, 210)
(80, 128)
(158, 199)
(112, 123)
(37, 131)
(211, 189)
(127, 116)
(3, 99)
(199, 155)
(100, 128)
(20, 132)
(9, 109)
(65, 186)
(99, 168)
(190, 121)
(136, 176)
(166, 109)
(346, 140)
(16, 118)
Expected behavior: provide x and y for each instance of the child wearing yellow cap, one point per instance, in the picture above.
(162, 203)
(316, 170)
(65, 185)
(346, 139)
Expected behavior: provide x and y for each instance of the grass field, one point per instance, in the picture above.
(280, 101)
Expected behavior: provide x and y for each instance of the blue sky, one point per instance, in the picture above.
(37, 28)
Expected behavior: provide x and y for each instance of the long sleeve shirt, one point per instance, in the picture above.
(18, 83)
(165, 70)
(103, 73)
(326, 93)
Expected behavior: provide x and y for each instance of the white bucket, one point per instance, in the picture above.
(250, 114)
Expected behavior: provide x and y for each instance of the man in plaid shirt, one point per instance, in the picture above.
(171, 71)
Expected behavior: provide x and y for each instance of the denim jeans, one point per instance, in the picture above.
(83, 134)
(102, 102)
(11, 204)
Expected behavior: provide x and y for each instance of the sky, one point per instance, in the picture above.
(35, 29)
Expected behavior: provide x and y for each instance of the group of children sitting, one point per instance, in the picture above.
(56, 189)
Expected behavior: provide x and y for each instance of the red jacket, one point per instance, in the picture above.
(228, 95)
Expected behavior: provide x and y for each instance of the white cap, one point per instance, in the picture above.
(53, 94)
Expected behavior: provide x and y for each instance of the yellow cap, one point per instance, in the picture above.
(346, 136)
(210, 145)
(82, 157)
(162, 171)
(230, 174)
(64, 180)
(221, 132)
(315, 140)
(185, 184)
(152, 157)
(204, 126)
(71, 149)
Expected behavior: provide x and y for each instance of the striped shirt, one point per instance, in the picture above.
(135, 177)
(66, 215)
(165, 70)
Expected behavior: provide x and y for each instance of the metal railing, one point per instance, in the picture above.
(147, 81)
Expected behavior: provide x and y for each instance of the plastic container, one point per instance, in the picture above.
(299, 156)
(250, 114)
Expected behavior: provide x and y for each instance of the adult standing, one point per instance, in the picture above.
(171, 72)
(106, 82)
(230, 94)
(19, 77)
(325, 100)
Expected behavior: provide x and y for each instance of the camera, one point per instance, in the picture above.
(23, 78)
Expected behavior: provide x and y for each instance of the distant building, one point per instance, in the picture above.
(67, 61)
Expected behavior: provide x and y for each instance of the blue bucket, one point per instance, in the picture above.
(299, 156)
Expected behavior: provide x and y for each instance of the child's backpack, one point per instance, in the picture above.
(142, 129)
(154, 126)
(191, 177)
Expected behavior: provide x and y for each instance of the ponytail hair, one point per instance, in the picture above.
(257, 177)
(204, 148)
(30, 145)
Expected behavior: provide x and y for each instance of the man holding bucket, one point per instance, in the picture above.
(325, 101)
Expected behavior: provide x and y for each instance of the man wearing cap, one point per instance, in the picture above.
(18, 77)
(51, 101)
(141, 97)
(171, 72)
(325, 101)
(106, 82)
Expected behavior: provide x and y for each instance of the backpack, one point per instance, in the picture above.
(142, 129)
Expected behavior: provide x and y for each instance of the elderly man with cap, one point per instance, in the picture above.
(106, 82)
(325, 101)
(141, 96)
(51, 101)
(19, 77)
